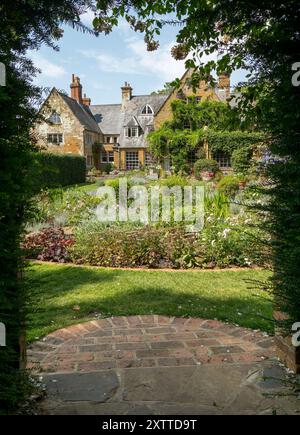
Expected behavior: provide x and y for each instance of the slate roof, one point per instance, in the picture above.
(133, 110)
(112, 119)
(109, 117)
(82, 113)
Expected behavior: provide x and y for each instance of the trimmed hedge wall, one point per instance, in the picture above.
(56, 170)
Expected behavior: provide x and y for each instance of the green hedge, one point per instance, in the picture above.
(54, 170)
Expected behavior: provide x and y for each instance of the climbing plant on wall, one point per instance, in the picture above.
(195, 124)
(229, 141)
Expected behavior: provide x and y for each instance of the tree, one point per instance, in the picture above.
(263, 37)
(24, 25)
(167, 89)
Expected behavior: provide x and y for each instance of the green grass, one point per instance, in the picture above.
(225, 295)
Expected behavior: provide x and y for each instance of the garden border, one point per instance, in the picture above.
(146, 269)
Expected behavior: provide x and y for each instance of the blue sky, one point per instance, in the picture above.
(106, 62)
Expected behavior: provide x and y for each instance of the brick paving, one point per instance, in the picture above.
(147, 341)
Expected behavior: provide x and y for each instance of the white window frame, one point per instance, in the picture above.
(59, 136)
(223, 160)
(132, 160)
(104, 157)
(147, 110)
(132, 131)
(110, 156)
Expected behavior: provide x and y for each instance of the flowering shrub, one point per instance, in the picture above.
(50, 244)
(69, 208)
(230, 242)
(226, 240)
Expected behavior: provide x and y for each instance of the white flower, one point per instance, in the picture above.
(226, 232)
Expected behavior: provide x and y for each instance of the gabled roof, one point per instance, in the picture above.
(133, 122)
(135, 106)
(82, 113)
(109, 117)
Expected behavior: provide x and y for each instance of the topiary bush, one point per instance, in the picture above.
(241, 160)
(108, 167)
(206, 165)
(55, 170)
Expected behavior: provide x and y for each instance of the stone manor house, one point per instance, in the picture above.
(72, 124)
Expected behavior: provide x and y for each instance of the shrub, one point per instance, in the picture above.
(206, 165)
(228, 243)
(117, 246)
(107, 167)
(229, 185)
(174, 180)
(50, 244)
(241, 159)
(68, 207)
(56, 170)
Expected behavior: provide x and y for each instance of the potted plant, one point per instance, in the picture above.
(206, 169)
(242, 182)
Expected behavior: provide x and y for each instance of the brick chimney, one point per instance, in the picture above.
(224, 83)
(86, 101)
(76, 89)
(126, 94)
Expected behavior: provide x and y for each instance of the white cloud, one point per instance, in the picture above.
(113, 64)
(48, 69)
(139, 61)
(158, 63)
(87, 18)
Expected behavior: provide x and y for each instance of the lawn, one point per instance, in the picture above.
(226, 295)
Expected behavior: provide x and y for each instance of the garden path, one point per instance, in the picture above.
(160, 365)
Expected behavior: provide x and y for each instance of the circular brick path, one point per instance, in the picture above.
(147, 341)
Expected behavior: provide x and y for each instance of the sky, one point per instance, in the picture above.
(104, 63)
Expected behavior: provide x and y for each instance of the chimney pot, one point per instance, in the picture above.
(126, 94)
(224, 83)
(76, 89)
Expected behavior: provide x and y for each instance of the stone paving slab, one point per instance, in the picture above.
(94, 387)
(202, 390)
(158, 365)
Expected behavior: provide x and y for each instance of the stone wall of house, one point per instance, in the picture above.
(70, 127)
(203, 91)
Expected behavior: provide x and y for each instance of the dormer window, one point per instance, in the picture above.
(55, 118)
(147, 110)
(131, 131)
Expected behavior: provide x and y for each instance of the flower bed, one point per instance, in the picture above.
(72, 234)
